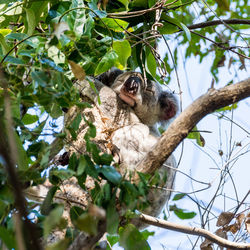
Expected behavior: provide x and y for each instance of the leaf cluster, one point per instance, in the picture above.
(37, 41)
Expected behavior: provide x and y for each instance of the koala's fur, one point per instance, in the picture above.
(123, 130)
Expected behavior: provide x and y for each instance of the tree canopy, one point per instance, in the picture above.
(45, 46)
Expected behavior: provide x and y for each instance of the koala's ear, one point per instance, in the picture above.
(109, 77)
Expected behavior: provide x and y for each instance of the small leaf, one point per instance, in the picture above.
(7, 238)
(108, 61)
(146, 234)
(224, 218)
(150, 62)
(31, 20)
(82, 165)
(186, 30)
(46, 206)
(77, 70)
(4, 45)
(29, 119)
(52, 220)
(22, 159)
(197, 136)
(123, 50)
(112, 218)
(75, 212)
(181, 213)
(111, 174)
(178, 197)
(115, 24)
(87, 223)
(112, 239)
(131, 238)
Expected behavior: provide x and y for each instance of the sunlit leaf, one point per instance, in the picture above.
(109, 60)
(29, 119)
(123, 50)
(117, 25)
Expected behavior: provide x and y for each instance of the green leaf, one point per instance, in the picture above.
(123, 50)
(131, 238)
(14, 60)
(4, 45)
(31, 20)
(56, 111)
(181, 213)
(178, 197)
(223, 4)
(7, 238)
(108, 61)
(75, 212)
(29, 119)
(150, 62)
(115, 24)
(112, 217)
(111, 174)
(62, 174)
(186, 30)
(146, 234)
(112, 239)
(87, 223)
(177, 23)
(197, 136)
(82, 165)
(40, 78)
(52, 220)
(46, 206)
(22, 159)
(125, 3)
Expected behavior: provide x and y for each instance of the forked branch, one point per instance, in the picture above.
(179, 129)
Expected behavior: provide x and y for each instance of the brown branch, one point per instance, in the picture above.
(192, 230)
(179, 129)
(8, 151)
(218, 22)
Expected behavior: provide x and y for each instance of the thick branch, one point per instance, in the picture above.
(192, 230)
(218, 22)
(179, 129)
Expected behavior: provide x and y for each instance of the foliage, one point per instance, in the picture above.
(39, 38)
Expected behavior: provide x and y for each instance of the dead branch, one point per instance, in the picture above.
(179, 129)
(192, 230)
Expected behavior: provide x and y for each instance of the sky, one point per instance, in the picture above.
(203, 164)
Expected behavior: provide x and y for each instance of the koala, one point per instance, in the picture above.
(149, 101)
(152, 105)
(124, 121)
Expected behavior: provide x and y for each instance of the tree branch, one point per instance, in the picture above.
(9, 154)
(192, 230)
(179, 129)
(218, 22)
